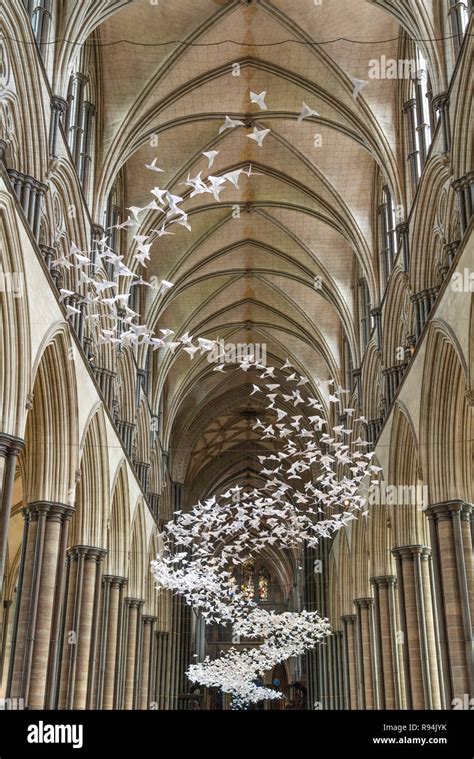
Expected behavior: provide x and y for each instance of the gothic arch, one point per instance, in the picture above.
(118, 525)
(446, 419)
(139, 568)
(92, 503)
(52, 445)
(405, 469)
(15, 346)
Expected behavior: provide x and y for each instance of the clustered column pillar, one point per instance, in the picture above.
(81, 611)
(365, 653)
(386, 632)
(112, 590)
(46, 526)
(418, 644)
(160, 697)
(148, 623)
(351, 699)
(450, 530)
(58, 109)
(10, 447)
(133, 641)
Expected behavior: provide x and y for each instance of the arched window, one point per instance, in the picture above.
(256, 582)
(247, 584)
(263, 585)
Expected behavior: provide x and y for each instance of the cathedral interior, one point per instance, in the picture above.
(340, 241)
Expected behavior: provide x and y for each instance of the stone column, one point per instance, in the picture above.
(441, 105)
(81, 609)
(10, 447)
(420, 660)
(386, 630)
(449, 524)
(58, 109)
(366, 652)
(110, 651)
(409, 108)
(403, 234)
(148, 623)
(46, 520)
(88, 112)
(377, 315)
(95, 632)
(464, 188)
(351, 666)
(336, 670)
(6, 616)
(161, 692)
(74, 127)
(57, 632)
(133, 622)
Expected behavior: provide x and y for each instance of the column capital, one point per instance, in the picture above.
(114, 581)
(349, 618)
(90, 553)
(97, 231)
(409, 552)
(409, 105)
(383, 581)
(54, 511)
(466, 512)
(10, 444)
(441, 101)
(363, 603)
(134, 603)
(441, 512)
(402, 227)
(80, 77)
(148, 619)
(58, 104)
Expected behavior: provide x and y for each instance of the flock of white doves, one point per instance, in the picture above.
(106, 296)
(313, 478)
(314, 482)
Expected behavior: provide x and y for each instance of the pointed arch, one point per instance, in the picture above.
(52, 444)
(118, 526)
(447, 419)
(93, 492)
(139, 567)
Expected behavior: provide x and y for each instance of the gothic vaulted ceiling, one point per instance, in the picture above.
(273, 260)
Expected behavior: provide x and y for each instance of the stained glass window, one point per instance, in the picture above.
(248, 587)
(263, 584)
